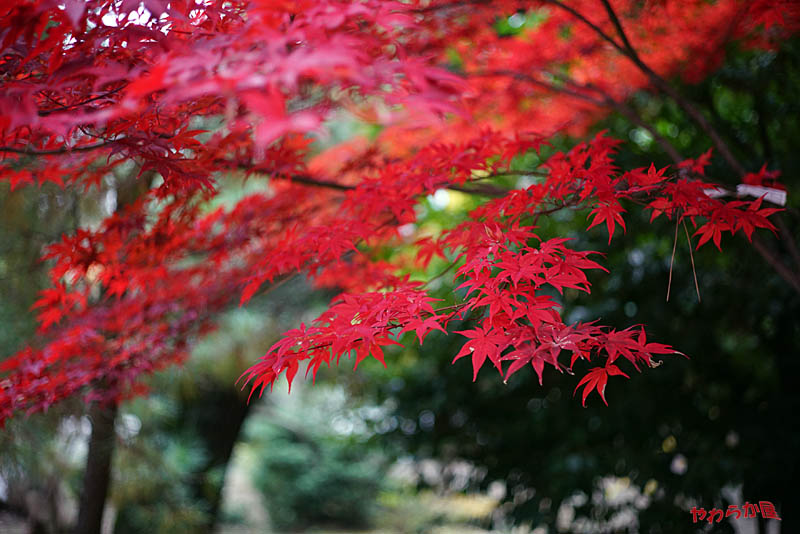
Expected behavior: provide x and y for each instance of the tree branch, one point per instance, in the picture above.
(449, 5)
(318, 182)
(55, 151)
(618, 26)
(540, 83)
(604, 100)
(598, 30)
(784, 272)
(62, 107)
(486, 190)
(788, 239)
(790, 277)
(483, 189)
(634, 117)
(627, 50)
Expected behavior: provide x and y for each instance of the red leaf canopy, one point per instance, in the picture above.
(194, 93)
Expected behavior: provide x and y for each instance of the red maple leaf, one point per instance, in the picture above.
(596, 379)
(484, 342)
(611, 214)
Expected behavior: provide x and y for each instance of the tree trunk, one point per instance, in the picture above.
(97, 477)
(218, 421)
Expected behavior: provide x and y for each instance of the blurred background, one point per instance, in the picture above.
(419, 447)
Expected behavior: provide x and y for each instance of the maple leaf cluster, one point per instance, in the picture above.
(196, 93)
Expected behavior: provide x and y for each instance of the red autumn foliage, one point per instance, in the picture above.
(89, 85)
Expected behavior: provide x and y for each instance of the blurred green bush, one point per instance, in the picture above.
(317, 480)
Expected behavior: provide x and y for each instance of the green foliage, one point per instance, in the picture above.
(420, 512)
(154, 469)
(29, 219)
(310, 480)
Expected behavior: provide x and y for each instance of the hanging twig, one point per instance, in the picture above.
(691, 256)
(672, 259)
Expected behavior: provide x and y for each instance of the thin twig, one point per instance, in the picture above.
(521, 76)
(605, 100)
(482, 189)
(54, 151)
(634, 117)
(449, 5)
(63, 107)
(441, 274)
(691, 256)
(319, 182)
(672, 259)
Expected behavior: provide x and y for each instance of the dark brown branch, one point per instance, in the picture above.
(486, 190)
(612, 15)
(787, 274)
(784, 272)
(318, 182)
(483, 189)
(660, 83)
(634, 117)
(540, 83)
(449, 5)
(55, 151)
(62, 107)
(597, 29)
(628, 112)
(788, 239)
(665, 86)
(604, 100)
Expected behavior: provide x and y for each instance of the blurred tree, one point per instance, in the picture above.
(193, 418)
(42, 493)
(309, 478)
